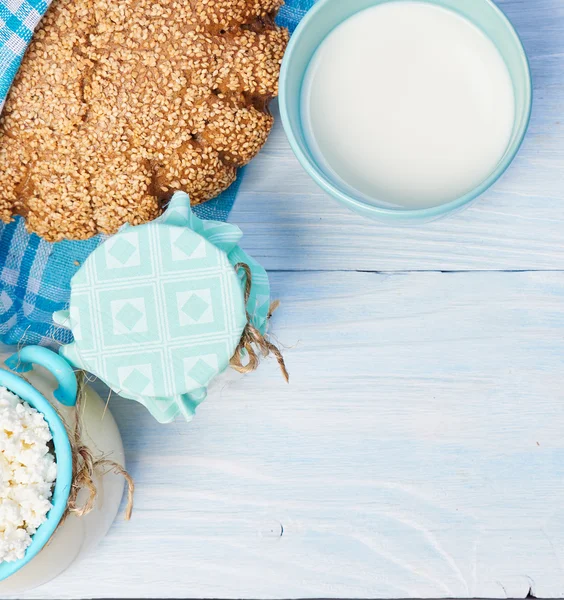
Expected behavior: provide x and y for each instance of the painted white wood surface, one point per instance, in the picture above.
(419, 449)
(418, 452)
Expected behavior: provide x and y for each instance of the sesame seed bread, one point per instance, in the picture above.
(118, 104)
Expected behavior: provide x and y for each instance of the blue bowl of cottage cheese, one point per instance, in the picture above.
(35, 472)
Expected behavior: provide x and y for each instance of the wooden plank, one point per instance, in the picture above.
(417, 452)
(289, 223)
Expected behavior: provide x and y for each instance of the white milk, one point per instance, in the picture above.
(409, 104)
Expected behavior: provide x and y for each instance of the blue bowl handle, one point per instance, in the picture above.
(22, 362)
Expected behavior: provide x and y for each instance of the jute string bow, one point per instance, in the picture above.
(254, 344)
(85, 465)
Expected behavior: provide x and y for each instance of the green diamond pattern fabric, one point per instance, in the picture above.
(158, 310)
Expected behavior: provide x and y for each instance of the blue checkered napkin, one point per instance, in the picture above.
(18, 19)
(292, 13)
(35, 275)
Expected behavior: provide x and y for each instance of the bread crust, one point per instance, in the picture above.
(118, 104)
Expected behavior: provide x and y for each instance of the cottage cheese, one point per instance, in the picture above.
(27, 474)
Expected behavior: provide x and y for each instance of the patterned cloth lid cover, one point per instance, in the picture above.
(157, 311)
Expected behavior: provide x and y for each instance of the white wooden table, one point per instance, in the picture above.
(419, 450)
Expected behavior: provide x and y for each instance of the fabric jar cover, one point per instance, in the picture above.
(157, 311)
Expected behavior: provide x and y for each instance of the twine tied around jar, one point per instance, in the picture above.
(85, 465)
(254, 344)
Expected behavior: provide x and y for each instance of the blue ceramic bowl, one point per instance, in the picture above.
(314, 28)
(66, 394)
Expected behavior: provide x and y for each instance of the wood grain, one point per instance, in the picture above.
(289, 223)
(417, 452)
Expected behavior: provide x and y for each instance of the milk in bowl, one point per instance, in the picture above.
(409, 103)
(405, 106)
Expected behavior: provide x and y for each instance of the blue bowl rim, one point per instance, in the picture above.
(399, 214)
(63, 457)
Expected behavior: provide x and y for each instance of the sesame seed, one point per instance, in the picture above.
(118, 104)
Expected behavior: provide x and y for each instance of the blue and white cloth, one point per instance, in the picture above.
(18, 19)
(35, 275)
